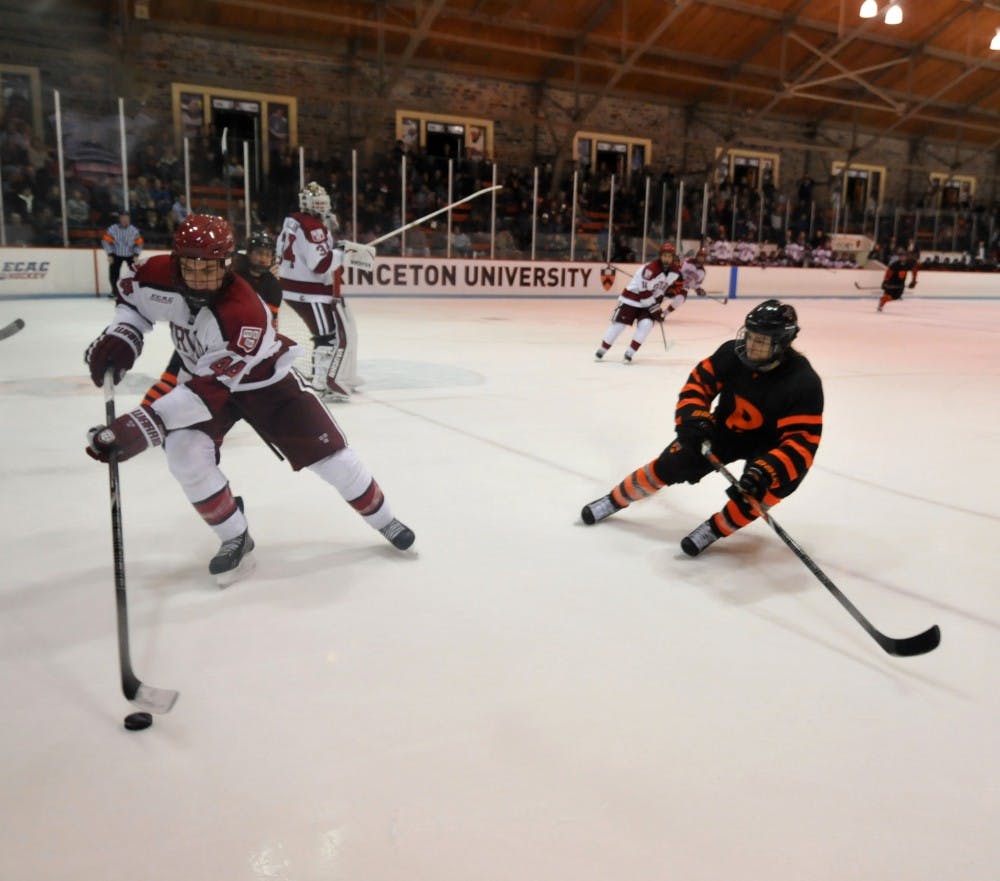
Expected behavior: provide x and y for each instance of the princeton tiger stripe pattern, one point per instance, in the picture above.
(767, 412)
(775, 416)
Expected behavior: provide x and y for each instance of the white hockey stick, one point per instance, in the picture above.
(11, 328)
(358, 256)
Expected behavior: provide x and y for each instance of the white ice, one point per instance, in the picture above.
(523, 698)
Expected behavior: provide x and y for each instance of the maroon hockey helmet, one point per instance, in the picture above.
(668, 253)
(204, 236)
(202, 258)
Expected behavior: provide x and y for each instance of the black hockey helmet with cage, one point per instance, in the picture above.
(772, 319)
(260, 240)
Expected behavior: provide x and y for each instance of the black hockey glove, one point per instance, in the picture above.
(116, 349)
(700, 292)
(913, 283)
(695, 429)
(128, 435)
(754, 483)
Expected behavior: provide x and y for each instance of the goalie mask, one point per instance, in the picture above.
(202, 258)
(314, 200)
(767, 332)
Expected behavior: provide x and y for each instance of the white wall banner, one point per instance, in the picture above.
(68, 272)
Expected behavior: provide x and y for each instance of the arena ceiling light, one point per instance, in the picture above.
(869, 9)
(894, 14)
(995, 42)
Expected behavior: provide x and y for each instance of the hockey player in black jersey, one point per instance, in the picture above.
(769, 413)
(901, 264)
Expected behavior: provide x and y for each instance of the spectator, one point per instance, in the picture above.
(178, 212)
(77, 208)
(461, 244)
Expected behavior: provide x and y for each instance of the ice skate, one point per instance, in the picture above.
(698, 539)
(627, 358)
(598, 510)
(233, 560)
(398, 534)
(599, 354)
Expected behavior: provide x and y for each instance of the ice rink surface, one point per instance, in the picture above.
(522, 698)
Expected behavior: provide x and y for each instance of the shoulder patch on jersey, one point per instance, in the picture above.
(648, 273)
(248, 338)
(317, 235)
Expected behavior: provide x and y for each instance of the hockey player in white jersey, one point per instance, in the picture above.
(310, 272)
(641, 302)
(693, 272)
(234, 365)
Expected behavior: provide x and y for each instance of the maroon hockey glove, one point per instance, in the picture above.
(656, 313)
(754, 483)
(128, 435)
(116, 349)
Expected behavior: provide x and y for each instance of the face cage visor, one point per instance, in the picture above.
(757, 349)
(202, 278)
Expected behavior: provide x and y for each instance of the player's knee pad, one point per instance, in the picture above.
(345, 471)
(192, 457)
(642, 330)
(681, 463)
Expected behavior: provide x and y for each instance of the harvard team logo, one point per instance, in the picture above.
(248, 338)
(318, 234)
(607, 277)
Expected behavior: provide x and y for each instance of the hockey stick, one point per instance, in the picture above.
(713, 295)
(145, 697)
(362, 256)
(11, 328)
(905, 647)
(663, 333)
(865, 288)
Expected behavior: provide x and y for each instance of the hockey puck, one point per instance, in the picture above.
(138, 721)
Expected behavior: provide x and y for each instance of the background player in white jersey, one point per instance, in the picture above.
(310, 272)
(235, 365)
(693, 272)
(641, 302)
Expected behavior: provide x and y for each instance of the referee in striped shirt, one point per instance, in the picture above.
(123, 243)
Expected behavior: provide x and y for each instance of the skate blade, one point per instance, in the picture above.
(247, 565)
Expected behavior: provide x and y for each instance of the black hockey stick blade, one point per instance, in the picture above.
(12, 328)
(867, 288)
(145, 697)
(907, 647)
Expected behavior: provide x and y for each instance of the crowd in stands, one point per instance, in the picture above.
(739, 224)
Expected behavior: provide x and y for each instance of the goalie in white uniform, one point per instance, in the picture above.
(310, 272)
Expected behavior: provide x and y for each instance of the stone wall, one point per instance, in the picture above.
(341, 107)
